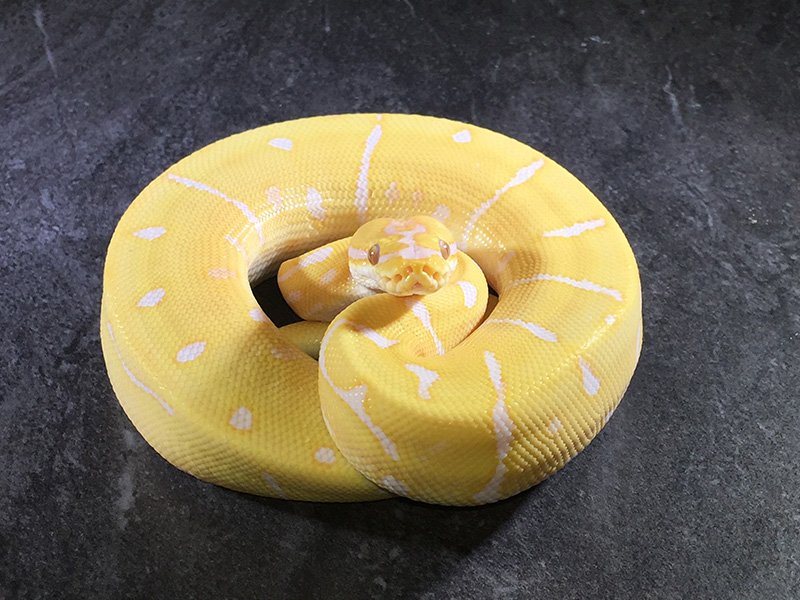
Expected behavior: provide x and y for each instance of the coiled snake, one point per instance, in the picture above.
(434, 397)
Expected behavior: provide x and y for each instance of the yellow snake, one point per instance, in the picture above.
(433, 397)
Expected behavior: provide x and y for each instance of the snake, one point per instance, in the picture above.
(471, 312)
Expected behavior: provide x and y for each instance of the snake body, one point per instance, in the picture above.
(431, 397)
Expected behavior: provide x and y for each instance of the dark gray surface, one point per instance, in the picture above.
(683, 117)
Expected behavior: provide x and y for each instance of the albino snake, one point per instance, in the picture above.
(431, 397)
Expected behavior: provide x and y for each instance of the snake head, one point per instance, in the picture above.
(413, 256)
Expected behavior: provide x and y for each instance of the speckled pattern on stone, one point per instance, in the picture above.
(683, 117)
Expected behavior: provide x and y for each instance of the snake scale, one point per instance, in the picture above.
(435, 397)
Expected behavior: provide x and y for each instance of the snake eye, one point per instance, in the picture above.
(374, 254)
(444, 248)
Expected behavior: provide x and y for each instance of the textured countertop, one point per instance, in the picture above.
(683, 118)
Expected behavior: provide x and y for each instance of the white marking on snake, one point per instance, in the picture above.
(354, 397)
(150, 233)
(523, 175)
(392, 193)
(314, 204)
(221, 273)
(258, 316)
(357, 253)
(236, 244)
(241, 419)
(610, 319)
(607, 418)
(243, 208)
(135, 379)
(442, 213)
(503, 430)
(583, 284)
(294, 296)
(462, 137)
(591, 382)
(190, 352)
(470, 293)
(362, 185)
(374, 336)
(152, 297)
(426, 380)
(576, 229)
(537, 330)
(281, 143)
(421, 312)
(311, 259)
(638, 341)
(555, 426)
(329, 276)
(275, 197)
(324, 455)
(273, 483)
(504, 260)
(391, 483)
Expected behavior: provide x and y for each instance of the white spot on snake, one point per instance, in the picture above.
(258, 316)
(442, 213)
(357, 253)
(374, 336)
(150, 233)
(354, 397)
(310, 259)
(314, 204)
(591, 383)
(362, 185)
(416, 198)
(273, 483)
(504, 260)
(221, 273)
(275, 197)
(638, 342)
(583, 284)
(503, 431)
(285, 353)
(294, 296)
(470, 293)
(607, 418)
(391, 483)
(421, 312)
(133, 377)
(241, 419)
(392, 193)
(523, 175)
(152, 297)
(324, 455)
(190, 352)
(537, 330)
(329, 276)
(462, 137)
(281, 143)
(236, 244)
(426, 380)
(243, 208)
(576, 229)
(610, 319)
(555, 426)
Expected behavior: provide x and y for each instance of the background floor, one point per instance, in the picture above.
(683, 117)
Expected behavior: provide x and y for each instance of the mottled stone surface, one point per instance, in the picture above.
(683, 117)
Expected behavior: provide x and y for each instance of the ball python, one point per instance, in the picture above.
(451, 397)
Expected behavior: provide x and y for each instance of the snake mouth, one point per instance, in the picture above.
(414, 281)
